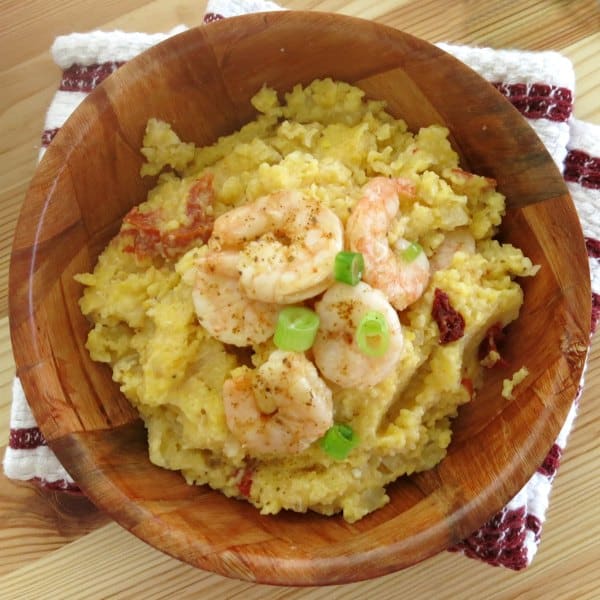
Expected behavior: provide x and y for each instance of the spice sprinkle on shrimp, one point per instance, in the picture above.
(286, 244)
(281, 407)
(336, 349)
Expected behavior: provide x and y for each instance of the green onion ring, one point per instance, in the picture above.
(296, 328)
(349, 267)
(373, 334)
(339, 440)
(411, 252)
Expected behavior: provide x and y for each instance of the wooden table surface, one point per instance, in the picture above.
(54, 545)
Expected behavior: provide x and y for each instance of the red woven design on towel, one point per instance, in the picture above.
(593, 247)
(210, 17)
(538, 100)
(551, 462)
(26, 439)
(595, 311)
(80, 78)
(534, 524)
(61, 485)
(501, 541)
(593, 250)
(48, 136)
(583, 169)
(30, 438)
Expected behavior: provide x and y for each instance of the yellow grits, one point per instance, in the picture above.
(326, 140)
(508, 385)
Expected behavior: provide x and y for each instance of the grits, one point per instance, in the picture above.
(508, 385)
(325, 141)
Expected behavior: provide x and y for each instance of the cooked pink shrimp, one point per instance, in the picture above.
(400, 280)
(457, 240)
(224, 310)
(336, 352)
(282, 407)
(287, 245)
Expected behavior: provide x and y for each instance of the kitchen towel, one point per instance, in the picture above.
(539, 84)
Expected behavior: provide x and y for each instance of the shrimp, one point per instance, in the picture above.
(224, 310)
(283, 406)
(457, 240)
(335, 350)
(401, 281)
(286, 243)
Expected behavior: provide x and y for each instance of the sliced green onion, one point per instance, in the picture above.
(411, 252)
(373, 334)
(339, 440)
(296, 329)
(348, 267)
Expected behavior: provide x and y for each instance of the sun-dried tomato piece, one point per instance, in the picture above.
(493, 337)
(467, 383)
(144, 231)
(143, 221)
(450, 322)
(201, 194)
(200, 198)
(145, 228)
(245, 483)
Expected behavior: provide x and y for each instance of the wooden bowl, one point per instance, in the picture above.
(201, 81)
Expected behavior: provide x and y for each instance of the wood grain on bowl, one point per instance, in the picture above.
(201, 82)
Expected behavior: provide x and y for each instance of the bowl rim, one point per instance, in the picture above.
(69, 450)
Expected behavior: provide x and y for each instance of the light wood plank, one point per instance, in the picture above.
(35, 522)
(28, 28)
(584, 55)
(7, 370)
(110, 561)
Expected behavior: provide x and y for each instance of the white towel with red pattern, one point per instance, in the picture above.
(539, 84)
